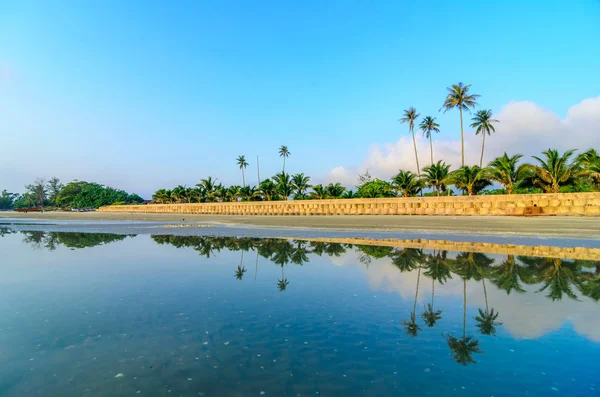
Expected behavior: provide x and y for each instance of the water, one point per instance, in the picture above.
(92, 314)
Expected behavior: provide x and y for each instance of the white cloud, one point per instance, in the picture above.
(524, 128)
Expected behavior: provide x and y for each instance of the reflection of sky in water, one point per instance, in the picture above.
(168, 319)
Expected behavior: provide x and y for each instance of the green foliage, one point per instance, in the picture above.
(553, 171)
(407, 183)
(81, 194)
(376, 188)
(436, 176)
(7, 200)
(471, 180)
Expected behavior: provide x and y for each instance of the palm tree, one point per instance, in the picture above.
(349, 194)
(436, 176)
(335, 190)
(285, 153)
(459, 97)
(241, 162)
(247, 193)
(162, 196)
(428, 126)
(410, 116)
(319, 192)
(301, 184)
(283, 185)
(590, 161)
(470, 179)
(438, 270)
(484, 124)
(463, 348)
(412, 328)
(486, 322)
(268, 189)
(554, 170)
(505, 171)
(508, 274)
(208, 186)
(407, 183)
(179, 194)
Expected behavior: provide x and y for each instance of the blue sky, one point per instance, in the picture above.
(140, 95)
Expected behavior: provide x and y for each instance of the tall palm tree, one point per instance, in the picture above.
(407, 183)
(484, 125)
(428, 126)
(410, 116)
(242, 163)
(412, 328)
(285, 153)
(590, 161)
(301, 185)
(436, 176)
(505, 171)
(554, 170)
(469, 179)
(458, 97)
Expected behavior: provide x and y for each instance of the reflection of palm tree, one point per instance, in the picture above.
(437, 269)
(559, 276)
(463, 348)
(407, 259)
(486, 321)
(239, 273)
(412, 328)
(283, 283)
(507, 275)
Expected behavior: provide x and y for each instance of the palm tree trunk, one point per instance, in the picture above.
(464, 308)
(482, 148)
(256, 271)
(487, 310)
(432, 291)
(258, 171)
(416, 156)
(431, 148)
(462, 138)
(417, 293)
(283, 165)
(243, 178)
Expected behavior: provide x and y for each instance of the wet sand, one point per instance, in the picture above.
(568, 227)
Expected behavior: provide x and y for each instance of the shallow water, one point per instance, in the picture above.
(91, 314)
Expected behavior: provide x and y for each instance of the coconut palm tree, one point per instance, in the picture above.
(412, 328)
(179, 194)
(242, 163)
(319, 192)
(508, 275)
(557, 275)
(506, 172)
(162, 196)
(301, 184)
(285, 153)
(486, 322)
(349, 194)
(436, 176)
(208, 186)
(554, 170)
(407, 259)
(247, 193)
(429, 126)
(239, 273)
(410, 116)
(458, 97)
(268, 189)
(407, 183)
(335, 190)
(590, 162)
(438, 270)
(470, 179)
(284, 185)
(484, 125)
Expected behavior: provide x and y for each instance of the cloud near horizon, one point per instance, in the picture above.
(524, 128)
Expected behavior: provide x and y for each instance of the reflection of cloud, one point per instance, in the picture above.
(524, 127)
(536, 314)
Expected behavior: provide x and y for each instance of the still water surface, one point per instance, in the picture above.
(88, 314)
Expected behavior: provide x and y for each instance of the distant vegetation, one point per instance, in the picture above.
(76, 194)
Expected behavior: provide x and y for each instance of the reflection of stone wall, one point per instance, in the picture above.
(582, 253)
(587, 204)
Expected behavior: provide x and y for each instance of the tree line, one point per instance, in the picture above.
(53, 194)
(551, 172)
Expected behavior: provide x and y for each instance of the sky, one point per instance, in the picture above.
(142, 95)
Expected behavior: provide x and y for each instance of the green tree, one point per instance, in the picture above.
(412, 328)
(484, 125)
(208, 187)
(162, 196)
(54, 187)
(268, 189)
(335, 190)
(553, 171)
(428, 126)
(242, 163)
(506, 171)
(301, 185)
(407, 183)
(376, 188)
(7, 200)
(470, 179)
(436, 176)
(410, 116)
(284, 185)
(285, 153)
(37, 192)
(318, 192)
(590, 161)
(458, 97)
(438, 270)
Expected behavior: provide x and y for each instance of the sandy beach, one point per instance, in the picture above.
(568, 227)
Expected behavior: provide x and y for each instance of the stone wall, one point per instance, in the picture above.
(583, 204)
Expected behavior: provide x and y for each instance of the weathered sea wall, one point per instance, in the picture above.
(576, 204)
